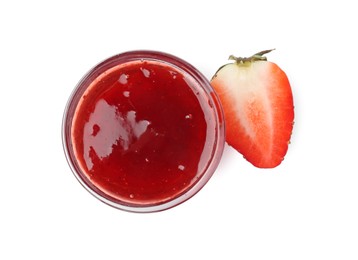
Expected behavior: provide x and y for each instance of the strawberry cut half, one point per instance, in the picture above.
(258, 106)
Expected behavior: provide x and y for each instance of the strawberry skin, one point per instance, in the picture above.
(258, 106)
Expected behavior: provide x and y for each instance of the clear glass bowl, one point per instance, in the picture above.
(209, 102)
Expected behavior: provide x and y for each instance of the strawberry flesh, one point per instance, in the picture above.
(258, 106)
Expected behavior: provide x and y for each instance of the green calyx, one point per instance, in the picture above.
(256, 57)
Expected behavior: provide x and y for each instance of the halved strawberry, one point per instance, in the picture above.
(258, 106)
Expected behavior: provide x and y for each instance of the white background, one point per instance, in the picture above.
(307, 208)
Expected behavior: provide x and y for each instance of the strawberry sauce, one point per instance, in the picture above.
(143, 132)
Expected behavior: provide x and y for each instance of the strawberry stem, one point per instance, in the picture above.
(256, 57)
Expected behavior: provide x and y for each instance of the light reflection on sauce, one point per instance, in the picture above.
(112, 130)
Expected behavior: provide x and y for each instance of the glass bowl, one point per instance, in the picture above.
(143, 131)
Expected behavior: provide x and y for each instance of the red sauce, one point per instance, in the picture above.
(141, 132)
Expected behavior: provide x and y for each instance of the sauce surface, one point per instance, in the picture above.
(141, 132)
